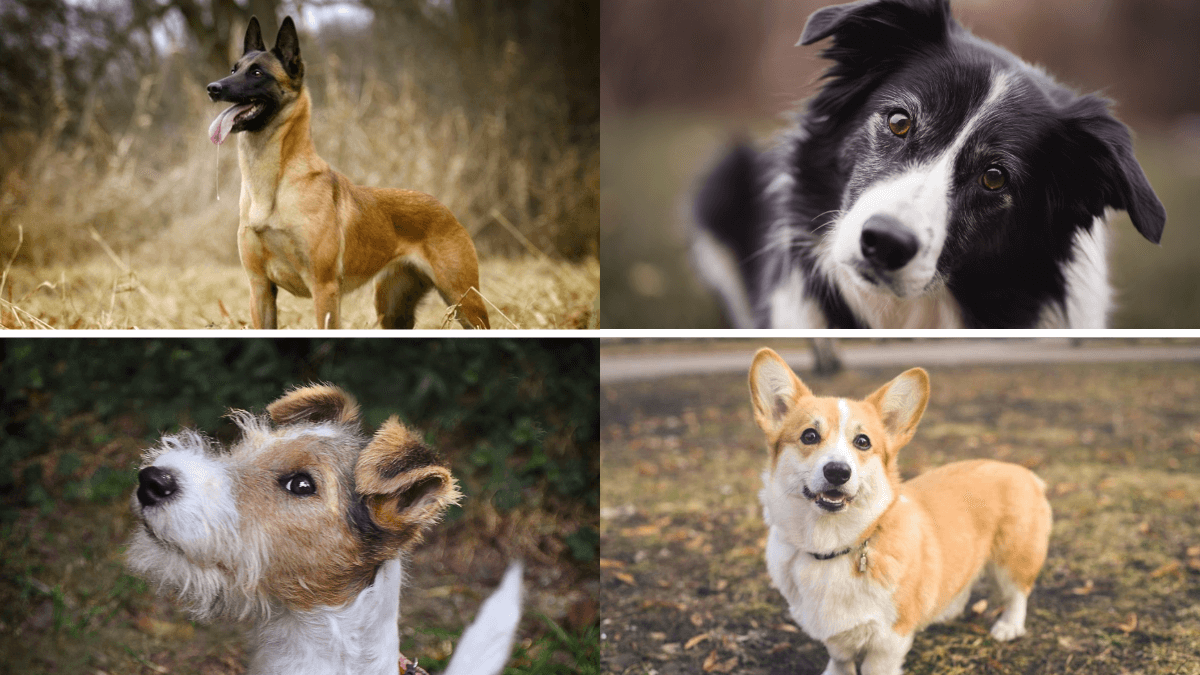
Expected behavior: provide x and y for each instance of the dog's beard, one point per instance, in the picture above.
(205, 591)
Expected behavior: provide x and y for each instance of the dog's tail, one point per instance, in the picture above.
(486, 644)
(727, 216)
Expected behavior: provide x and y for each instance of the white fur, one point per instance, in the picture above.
(1088, 294)
(709, 254)
(791, 308)
(486, 644)
(358, 639)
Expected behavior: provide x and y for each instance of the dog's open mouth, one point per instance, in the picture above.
(830, 500)
(235, 114)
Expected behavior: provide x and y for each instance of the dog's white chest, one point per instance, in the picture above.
(825, 597)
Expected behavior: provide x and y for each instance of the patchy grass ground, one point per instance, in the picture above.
(526, 293)
(68, 606)
(685, 588)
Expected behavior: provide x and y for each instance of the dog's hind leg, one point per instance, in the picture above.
(455, 274)
(398, 290)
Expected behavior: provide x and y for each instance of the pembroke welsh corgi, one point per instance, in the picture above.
(864, 560)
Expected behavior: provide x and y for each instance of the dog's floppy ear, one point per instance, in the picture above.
(774, 390)
(901, 403)
(287, 49)
(852, 23)
(1110, 175)
(404, 484)
(253, 41)
(314, 403)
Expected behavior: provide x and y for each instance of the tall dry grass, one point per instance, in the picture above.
(151, 204)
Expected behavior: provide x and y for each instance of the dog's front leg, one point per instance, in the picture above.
(262, 302)
(327, 297)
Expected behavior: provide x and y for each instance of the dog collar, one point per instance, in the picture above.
(862, 558)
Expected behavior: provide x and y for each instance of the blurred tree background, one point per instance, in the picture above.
(492, 106)
(517, 419)
(681, 78)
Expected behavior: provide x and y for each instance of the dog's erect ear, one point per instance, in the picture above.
(403, 483)
(901, 403)
(774, 390)
(1104, 170)
(253, 41)
(315, 404)
(287, 49)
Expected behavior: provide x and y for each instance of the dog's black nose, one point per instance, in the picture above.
(837, 472)
(215, 89)
(155, 486)
(886, 243)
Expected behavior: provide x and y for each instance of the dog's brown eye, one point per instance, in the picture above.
(298, 484)
(862, 442)
(994, 178)
(256, 72)
(810, 437)
(900, 123)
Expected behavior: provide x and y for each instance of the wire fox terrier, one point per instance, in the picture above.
(302, 528)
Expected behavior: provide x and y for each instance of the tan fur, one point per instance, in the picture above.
(306, 228)
(942, 527)
(315, 403)
(957, 518)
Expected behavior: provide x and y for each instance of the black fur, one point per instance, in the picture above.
(1065, 160)
(252, 79)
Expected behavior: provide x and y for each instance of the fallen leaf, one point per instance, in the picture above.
(696, 620)
(1144, 528)
(1193, 552)
(625, 577)
(1130, 624)
(655, 635)
(787, 628)
(779, 648)
(726, 667)
(671, 648)
(695, 641)
(1085, 589)
(1172, 567)
(609, 564)
(711, 662)
(980, 607)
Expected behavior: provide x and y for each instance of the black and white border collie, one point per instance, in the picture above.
(935, 181)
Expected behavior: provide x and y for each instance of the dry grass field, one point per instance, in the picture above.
(521, 293)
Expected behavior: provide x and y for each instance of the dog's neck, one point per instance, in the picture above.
(361, 638)
(261, 159)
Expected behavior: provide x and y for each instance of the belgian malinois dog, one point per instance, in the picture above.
(306, 228)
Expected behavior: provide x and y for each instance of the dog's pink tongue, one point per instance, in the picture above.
(219, 130)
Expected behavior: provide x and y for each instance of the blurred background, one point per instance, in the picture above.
(109, 186)
(515, 418)
(681, 78)
(1111, 426)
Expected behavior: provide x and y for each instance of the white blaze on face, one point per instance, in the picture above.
(919, 198)
(202, 518)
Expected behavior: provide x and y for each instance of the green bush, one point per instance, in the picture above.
(514, 415)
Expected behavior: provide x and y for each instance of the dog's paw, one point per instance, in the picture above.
(1004, 630)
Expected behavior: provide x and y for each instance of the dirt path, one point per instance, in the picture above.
(938, 352)
(685, 589)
